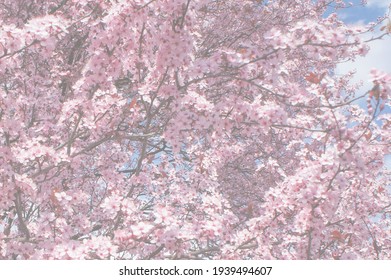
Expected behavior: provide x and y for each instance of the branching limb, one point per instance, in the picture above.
(22, 224)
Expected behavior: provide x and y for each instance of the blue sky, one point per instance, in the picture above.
(368, 13)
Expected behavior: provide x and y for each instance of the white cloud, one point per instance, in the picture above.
(378, 57)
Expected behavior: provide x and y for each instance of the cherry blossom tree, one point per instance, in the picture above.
(180, 129)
